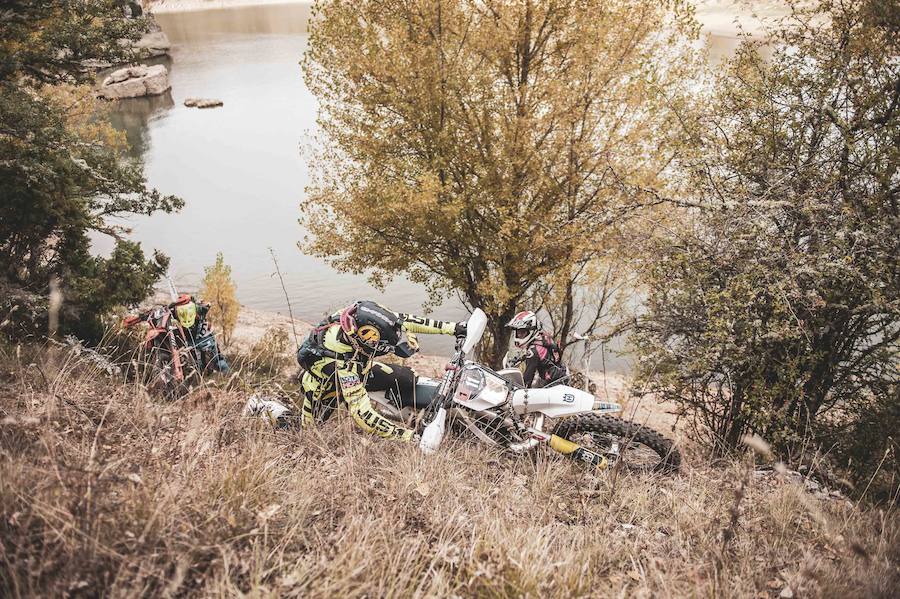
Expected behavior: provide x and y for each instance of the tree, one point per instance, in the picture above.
(593, 297)
(219, 290)
(63, 169)
(480, 147)
(774, 307)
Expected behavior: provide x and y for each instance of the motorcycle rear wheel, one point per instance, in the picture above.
(637, 448)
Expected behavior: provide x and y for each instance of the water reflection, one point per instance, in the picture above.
(191, 27)
(133, 116)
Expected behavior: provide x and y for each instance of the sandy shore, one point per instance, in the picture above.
(253, 324)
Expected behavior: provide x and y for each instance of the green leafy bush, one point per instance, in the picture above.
(218, 289)
(64, 173)
(774, 306)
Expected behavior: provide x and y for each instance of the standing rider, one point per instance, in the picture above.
(543, 357)
(340, 353)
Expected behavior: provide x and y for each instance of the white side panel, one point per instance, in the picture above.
(561, 400)
(487, 398)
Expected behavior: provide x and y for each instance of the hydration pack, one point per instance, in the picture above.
(313, 347)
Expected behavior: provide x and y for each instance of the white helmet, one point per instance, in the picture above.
(526, 327)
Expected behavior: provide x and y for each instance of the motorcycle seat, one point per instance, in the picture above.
(425, 391)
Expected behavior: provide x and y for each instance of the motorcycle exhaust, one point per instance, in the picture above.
(577, 452)
(434, 432)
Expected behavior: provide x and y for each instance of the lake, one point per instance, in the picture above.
(240, 168)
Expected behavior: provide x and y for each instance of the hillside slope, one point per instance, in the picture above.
(105, 490)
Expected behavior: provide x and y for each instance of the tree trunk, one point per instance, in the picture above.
(734, 423)
(495, 348)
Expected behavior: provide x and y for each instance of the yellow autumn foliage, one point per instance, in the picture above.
(218, 289)
(482, 148)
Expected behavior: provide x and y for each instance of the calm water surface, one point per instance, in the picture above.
(240, 168)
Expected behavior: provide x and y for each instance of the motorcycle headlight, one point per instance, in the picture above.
(479, 383)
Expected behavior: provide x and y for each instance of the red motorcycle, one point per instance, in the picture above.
(179, 344)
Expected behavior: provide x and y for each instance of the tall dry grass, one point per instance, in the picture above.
(106, 491)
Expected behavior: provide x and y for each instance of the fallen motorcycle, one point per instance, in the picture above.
(497, 409)
(178, 347)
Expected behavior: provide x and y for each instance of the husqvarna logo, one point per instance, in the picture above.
(568, 398)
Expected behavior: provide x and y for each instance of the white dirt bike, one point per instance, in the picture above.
(497, 409)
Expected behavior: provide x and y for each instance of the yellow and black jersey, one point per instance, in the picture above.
(334, 370)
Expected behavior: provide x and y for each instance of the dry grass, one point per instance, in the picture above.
(105, 491)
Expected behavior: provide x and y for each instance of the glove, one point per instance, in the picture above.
(413, 341)
(460, 330)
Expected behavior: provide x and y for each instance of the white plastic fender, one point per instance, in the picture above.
(554, 402)
(434, 432)
(474, 330)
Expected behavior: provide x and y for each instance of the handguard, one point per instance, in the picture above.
(404, 350)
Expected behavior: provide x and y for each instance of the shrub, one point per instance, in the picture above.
(775, 306)
(271, 354)
(218, 289)
(64, 171)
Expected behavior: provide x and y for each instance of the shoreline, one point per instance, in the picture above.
(252, 324)
(177, 6)
(717, 17)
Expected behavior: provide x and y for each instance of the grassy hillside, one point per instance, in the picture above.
(104, 490)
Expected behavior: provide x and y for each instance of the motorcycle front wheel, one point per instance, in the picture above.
(162, 379)
(625, 444)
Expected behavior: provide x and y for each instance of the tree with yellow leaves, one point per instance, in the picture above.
(481, 147)
(218, 289)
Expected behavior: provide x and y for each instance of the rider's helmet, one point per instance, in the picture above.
(371, 328)
(526, 327)
(186, 310)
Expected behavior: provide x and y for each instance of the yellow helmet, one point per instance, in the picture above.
(187, 314)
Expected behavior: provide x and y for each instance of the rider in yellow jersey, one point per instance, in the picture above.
(340, 353)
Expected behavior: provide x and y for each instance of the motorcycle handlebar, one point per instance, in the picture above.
(132, 320)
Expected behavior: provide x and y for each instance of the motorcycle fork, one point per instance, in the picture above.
(176, 358)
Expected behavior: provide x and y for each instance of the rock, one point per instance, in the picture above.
(154, 43)
(95, 64)
(203, 103)
(136, 82)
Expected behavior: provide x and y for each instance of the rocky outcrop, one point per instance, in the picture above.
(202, 103)
(136, 82)
(152, 44)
